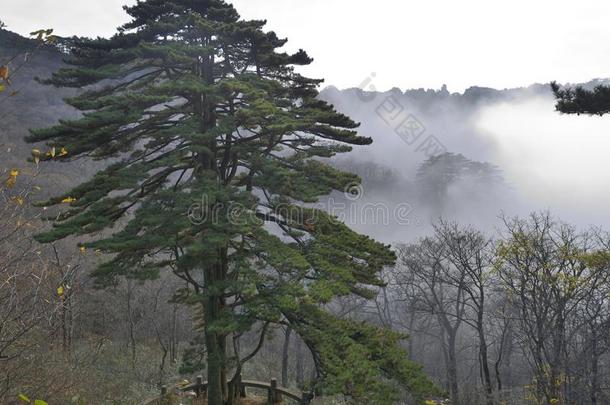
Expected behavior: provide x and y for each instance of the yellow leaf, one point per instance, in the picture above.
(20, 201)
(24, 398)
(36, 155)
(68, 200)
(82, 249)
(51, 153)
(40, 402)
(63, 152)
(60, 291)
(14, 173)
(4, 72)
(10, 183)
(1, 87)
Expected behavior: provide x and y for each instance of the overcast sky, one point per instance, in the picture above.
(407, 44)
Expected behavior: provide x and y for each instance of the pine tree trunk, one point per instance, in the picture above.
(215, 341)
(223, 369)
(214, 354)
(217, 378)
(236, 389)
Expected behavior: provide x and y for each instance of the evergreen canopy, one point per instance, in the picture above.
(579, 100)
(214, 144)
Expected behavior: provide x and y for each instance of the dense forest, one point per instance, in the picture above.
(179, 203)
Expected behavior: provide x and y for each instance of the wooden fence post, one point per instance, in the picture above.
(272, 397)
(278, 394)
(199, 389)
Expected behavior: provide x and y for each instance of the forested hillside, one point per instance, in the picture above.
(61, 339)
(178, 201)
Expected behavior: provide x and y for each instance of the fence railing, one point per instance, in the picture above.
(275, 393)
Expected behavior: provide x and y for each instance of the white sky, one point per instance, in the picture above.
(408, 44)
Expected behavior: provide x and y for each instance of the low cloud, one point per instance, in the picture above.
(552, 161)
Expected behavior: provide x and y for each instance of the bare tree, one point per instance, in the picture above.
(471, 255)
(422, 277)
(26, 283)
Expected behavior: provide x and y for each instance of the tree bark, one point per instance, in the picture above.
(452, 374)
(214, 354)
(483, 356)
(489, 399)
(130, 320)
(215, 341)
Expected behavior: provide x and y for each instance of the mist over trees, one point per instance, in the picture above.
(438, 175)
(523, 309)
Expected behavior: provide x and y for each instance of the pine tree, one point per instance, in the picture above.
(579, 100)
(215, 147)
(437, 174)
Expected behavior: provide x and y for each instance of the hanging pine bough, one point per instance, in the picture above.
(216, 143)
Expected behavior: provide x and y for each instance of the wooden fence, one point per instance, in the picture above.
(275, 394)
